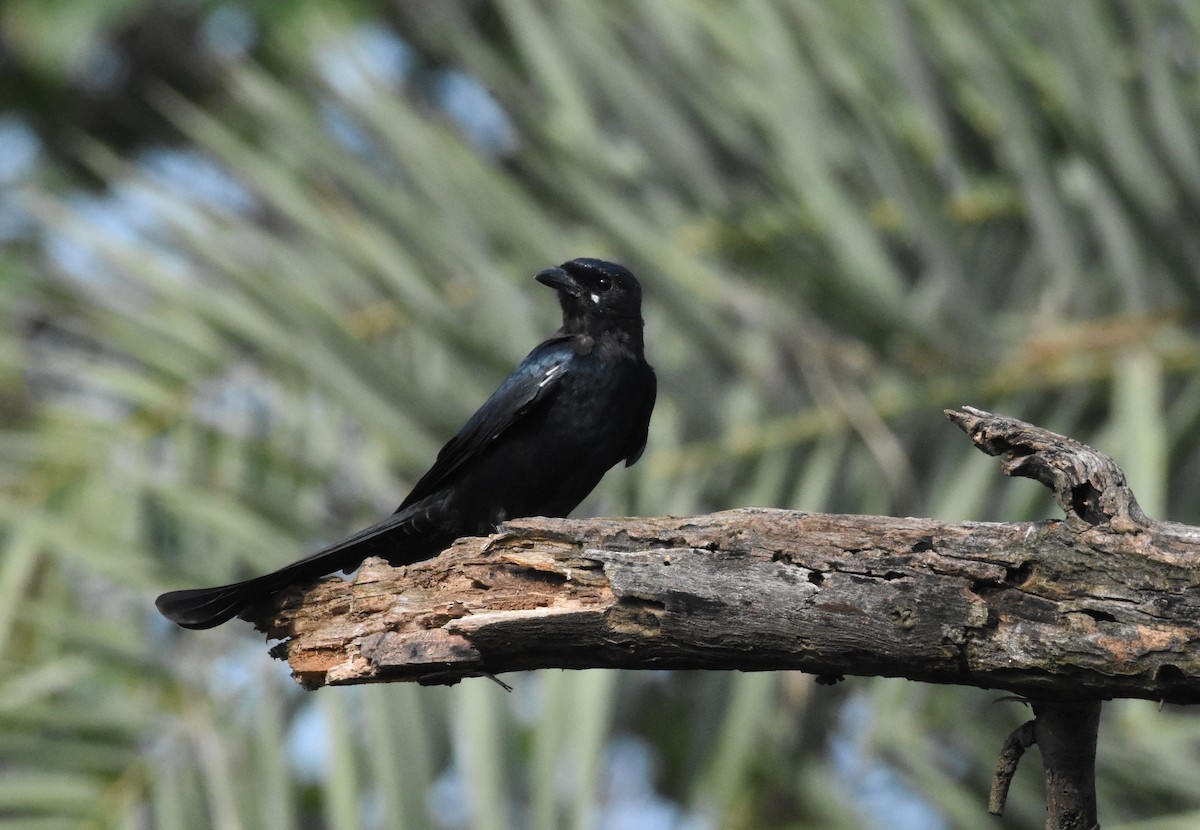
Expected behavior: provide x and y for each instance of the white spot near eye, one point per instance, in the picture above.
(595, 298)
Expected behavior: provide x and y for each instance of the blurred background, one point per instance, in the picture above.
(259, 260)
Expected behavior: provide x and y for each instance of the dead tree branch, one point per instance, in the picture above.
(1102, 604)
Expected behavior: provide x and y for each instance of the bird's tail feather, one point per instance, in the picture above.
(199, 608)
(207, 607)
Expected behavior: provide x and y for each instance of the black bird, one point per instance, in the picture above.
(575, 406)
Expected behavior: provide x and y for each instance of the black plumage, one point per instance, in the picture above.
(576, 405)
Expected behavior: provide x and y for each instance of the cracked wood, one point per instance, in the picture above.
(1052, 610)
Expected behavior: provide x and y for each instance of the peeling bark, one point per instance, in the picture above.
(1041, 610)
(1102, 604)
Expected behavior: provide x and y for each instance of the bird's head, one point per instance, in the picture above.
(594, 291)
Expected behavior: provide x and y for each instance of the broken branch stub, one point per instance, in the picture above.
(1087, 484)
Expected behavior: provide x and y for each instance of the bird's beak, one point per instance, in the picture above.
(559, 280)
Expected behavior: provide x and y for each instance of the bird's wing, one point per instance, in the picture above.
(641, 429)
(530, 385)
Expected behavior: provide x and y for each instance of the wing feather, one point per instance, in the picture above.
(530, 385)
(642, 425)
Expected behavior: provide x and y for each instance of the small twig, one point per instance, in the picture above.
(498, 682)
(1006, 765)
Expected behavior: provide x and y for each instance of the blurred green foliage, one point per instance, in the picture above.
(846, 216)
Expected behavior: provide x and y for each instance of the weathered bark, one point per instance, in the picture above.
(1102, 604)
(1066, 734)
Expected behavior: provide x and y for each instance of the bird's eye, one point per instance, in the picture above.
(604, 283)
